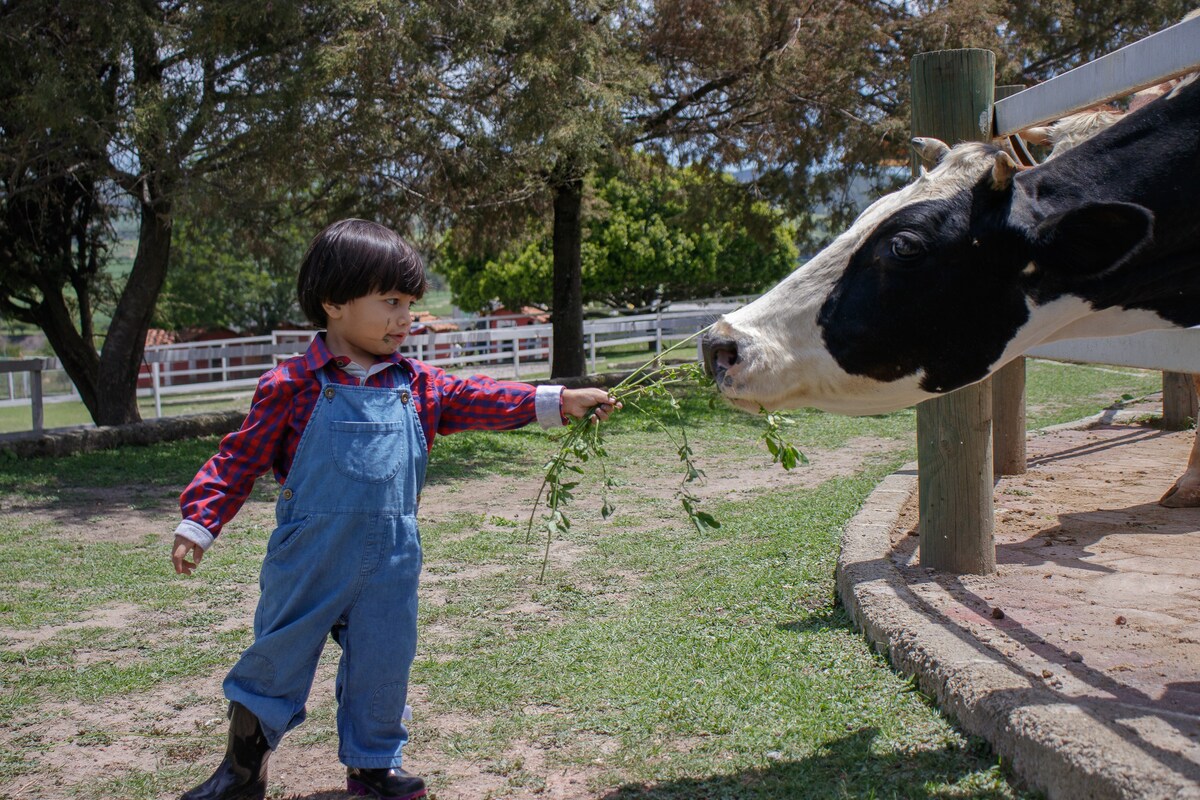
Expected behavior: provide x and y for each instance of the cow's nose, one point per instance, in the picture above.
(720, 353)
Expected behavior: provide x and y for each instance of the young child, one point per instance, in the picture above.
(346, 428)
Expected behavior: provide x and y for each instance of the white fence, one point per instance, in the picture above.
(236, 364)
(1165, 350)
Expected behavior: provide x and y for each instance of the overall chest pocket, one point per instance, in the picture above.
(372, 452)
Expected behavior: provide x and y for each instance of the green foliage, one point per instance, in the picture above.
(220, 276)
(516, 276)
(584, 442)
(151, 109)
(659, 234)
(652, 234)
(782, 451)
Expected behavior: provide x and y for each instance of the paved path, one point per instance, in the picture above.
(1080, 659)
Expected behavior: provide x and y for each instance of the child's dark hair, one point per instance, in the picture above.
(353, 258)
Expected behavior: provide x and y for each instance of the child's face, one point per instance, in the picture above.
(370, 327)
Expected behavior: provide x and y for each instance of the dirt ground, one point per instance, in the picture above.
(1097, 586)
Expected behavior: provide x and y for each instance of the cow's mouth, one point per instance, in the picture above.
(720, 353)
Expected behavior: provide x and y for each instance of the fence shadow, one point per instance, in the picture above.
(850, 766)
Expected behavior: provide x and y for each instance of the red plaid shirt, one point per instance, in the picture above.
(284, 401)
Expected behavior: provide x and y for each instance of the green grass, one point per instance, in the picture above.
(726, 669)
(1057, 392)
(656, 661)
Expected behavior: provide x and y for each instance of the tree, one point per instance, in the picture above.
(136, 107)
(1041, 39)
(657, 234)
(538, 94)
(224, 275)
(652, 234)
(529, 98)
(524, 99)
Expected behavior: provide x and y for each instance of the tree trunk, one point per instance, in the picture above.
(568, 354)
(125, 344)
(76, 352)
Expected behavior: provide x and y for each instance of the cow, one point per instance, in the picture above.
(938, 285)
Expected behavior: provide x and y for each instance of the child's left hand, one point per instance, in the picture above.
(577, 402)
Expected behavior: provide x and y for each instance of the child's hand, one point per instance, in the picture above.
(577, 402)
(179, 555)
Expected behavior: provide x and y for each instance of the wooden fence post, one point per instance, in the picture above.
(1008, 395)
(156, 387)
(952, 95)
(35, 396)
(1179, 401)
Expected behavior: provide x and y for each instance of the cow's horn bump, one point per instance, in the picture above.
(930, 150)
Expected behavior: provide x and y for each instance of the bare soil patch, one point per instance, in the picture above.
(1097, 585)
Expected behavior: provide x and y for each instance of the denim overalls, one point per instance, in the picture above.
(344, 559)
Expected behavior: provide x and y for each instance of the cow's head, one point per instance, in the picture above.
(932, 288)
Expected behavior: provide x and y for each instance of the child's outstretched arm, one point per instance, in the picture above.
(577, 402)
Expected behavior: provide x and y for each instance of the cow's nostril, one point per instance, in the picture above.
(720, 353)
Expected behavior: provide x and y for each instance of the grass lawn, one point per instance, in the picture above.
(654, 661)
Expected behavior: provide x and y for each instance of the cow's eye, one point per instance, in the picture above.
(906, 246)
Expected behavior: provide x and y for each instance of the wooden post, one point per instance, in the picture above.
(1008, 418)
(1179, 401)
(156, 387)
(952, 94)
(1008, 396)
(35, 397)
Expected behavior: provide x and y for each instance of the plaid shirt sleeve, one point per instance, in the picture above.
(222, 485)
(477, 403)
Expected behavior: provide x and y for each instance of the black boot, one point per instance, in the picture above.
(243, 773)
(384, 784)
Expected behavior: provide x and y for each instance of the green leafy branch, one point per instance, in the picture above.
(782, 451)
(583, 442)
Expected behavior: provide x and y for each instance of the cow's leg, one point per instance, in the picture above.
(1186, 491)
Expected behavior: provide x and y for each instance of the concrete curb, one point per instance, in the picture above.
(1064, 748)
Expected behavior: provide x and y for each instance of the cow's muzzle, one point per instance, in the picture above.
(720, 353)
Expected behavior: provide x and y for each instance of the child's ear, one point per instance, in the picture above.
(332, 310)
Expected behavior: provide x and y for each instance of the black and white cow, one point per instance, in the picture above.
(943, 282)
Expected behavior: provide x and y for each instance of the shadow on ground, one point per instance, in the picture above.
(847, 767)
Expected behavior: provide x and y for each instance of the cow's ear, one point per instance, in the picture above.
(1092, 239)
(1003, 169)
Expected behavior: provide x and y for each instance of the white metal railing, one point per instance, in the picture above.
(1171, 52)
(237, 363)
(1172, 350)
